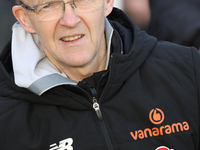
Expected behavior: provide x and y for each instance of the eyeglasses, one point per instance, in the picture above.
(53, 10)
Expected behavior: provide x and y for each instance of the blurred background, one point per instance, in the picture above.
(119, 4)
(7, 20)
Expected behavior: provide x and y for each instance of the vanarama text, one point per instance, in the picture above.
(167, 129)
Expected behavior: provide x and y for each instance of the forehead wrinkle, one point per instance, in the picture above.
(35, 2)
(41, 1)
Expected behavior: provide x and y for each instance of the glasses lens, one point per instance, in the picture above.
(49, 11)
(88, 5)
(53, 10)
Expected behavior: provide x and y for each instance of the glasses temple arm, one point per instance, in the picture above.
(26, 6)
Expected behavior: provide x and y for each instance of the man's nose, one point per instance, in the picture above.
(69, 18)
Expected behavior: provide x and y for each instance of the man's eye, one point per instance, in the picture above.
(47, 6)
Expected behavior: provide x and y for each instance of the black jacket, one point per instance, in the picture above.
(176, 21)
(150, 101)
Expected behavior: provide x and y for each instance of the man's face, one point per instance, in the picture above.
(75, 40)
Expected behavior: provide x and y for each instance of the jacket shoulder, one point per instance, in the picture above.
(171, 51)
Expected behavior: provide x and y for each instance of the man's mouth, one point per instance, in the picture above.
(71, 38)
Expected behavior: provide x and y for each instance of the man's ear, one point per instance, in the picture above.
(109, 7)
(22, 18)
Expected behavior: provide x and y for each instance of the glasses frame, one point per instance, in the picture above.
(72, 3)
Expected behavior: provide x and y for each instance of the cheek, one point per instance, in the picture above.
(46, 35)
(95, 24)
(45, 30)
(100, 31)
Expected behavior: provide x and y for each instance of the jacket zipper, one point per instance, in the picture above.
(96, 107)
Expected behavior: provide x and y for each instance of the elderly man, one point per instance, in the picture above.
(80, 75)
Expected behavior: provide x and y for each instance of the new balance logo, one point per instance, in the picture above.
(63, 145)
